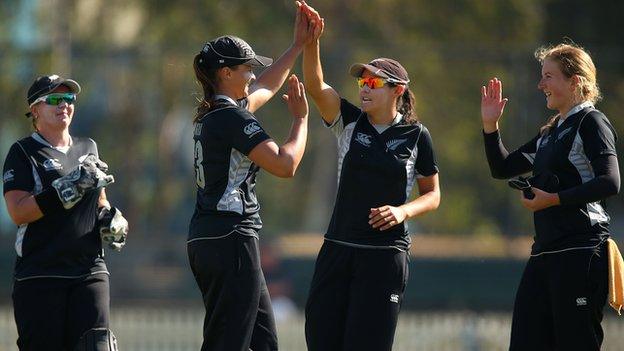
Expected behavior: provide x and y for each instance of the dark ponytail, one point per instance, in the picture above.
(405, 106)
(207, 78)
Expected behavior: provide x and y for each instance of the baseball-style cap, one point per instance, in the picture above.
(228, 50)
(44, 85)
(382, 67)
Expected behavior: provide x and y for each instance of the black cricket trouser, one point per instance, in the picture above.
(560, 301)
(52, 313)
(239, 315)
(355, 298)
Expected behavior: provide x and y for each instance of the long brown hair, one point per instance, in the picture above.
(405, 106)
(573, 60)
(207, 78)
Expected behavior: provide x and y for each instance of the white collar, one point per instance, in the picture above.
(382, 127)
(226, 98)
(577, 108)
(62, 149)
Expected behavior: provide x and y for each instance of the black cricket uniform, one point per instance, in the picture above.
(563, 290)
(61, 286)
(223, 234)
(361, 272)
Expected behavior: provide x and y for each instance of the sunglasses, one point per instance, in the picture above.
(371, 82)
(56, 99)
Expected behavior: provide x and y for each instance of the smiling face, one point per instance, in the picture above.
(53, 118)
(235, 81)
(379, 101)
(559, 89)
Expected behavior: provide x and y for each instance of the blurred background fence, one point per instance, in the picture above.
(179, 329)
(133, 59)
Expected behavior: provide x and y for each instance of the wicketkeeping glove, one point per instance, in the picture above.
(113, 227)
(89, 175)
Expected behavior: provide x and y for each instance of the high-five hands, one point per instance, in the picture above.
(296, 98)
(315, 23)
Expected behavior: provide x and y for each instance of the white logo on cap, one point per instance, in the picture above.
(394, 298)
(52, 164)
(252, 128)
(53, 77)
(8, 176)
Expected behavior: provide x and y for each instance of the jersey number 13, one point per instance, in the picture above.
(199, 168)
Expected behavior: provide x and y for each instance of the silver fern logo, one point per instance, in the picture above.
(394, 143)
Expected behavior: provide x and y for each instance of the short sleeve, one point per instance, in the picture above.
(243, 131)
(425, 160)
(17, 172)
(598, 135)
(349, 113)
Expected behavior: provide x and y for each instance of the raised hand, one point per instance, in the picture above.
(316, 24)
(296, 98)
(492, 104)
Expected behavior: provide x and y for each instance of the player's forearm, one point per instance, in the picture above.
(427, 202)
(22, 208)
(103, 200)
(312, 69)
(292, 151)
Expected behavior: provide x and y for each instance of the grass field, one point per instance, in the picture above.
(179, 329)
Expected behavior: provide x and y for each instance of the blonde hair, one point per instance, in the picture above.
(573, 60)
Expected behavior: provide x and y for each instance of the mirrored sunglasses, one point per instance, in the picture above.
(371, 82)
(56, 99)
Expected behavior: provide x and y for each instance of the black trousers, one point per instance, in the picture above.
(239, 315)
(560, 300)
(52, 313)
(355, 298)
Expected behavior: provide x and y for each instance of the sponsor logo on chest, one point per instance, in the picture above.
(52, 164)
(363, 139)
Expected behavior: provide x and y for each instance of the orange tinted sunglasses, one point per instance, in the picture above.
(371, 82)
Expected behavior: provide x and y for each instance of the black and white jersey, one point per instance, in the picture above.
(225, 176)
(60, 245)
(561, 160)
(376, 167)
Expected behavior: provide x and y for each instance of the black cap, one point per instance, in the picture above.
(43, 85)
(228, 51)
(382, 67)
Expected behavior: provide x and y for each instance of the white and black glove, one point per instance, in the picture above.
(113, 227)
(89, 175)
